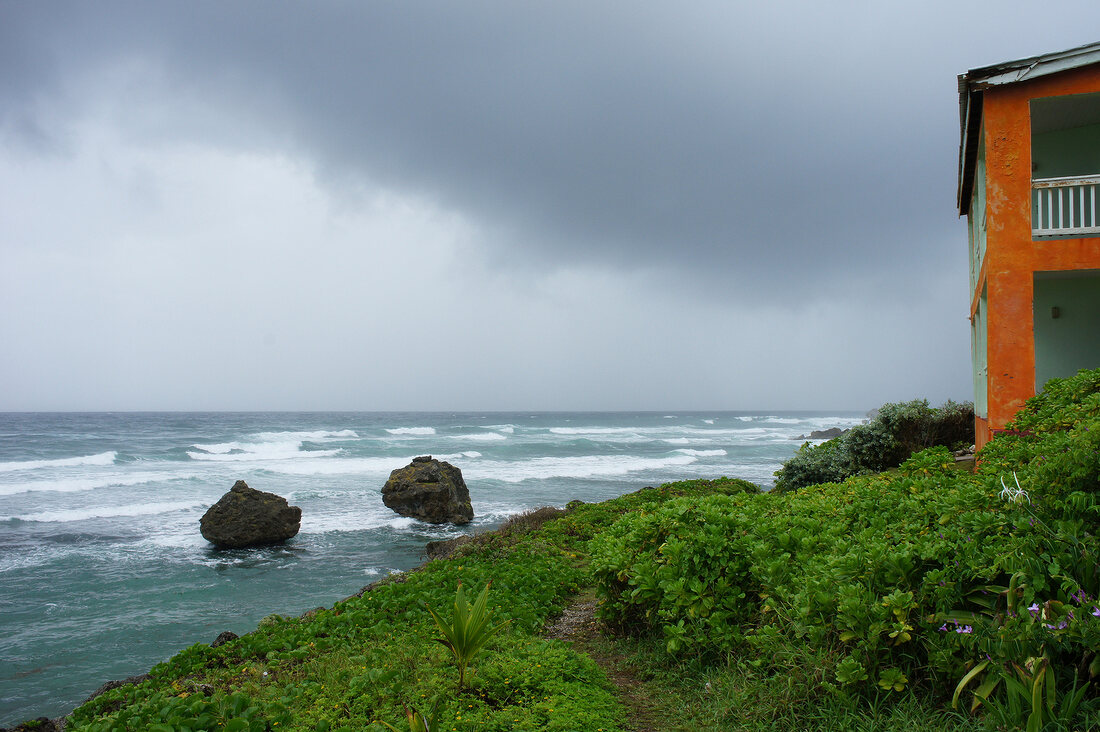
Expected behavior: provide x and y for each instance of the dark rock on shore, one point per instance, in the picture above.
(223, 638)
(823, 434)
(429, 490)
(41, 724)
(247, 517)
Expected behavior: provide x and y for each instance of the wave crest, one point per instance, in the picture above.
(103, 458)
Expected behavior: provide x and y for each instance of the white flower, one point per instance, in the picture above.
(1013, 494)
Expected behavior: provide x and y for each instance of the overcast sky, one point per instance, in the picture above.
(489, 205)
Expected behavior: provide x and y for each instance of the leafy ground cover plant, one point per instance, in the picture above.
(922, 577)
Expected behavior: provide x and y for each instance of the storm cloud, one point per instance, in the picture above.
(586, 205)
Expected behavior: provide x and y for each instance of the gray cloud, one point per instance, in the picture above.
(784, 157)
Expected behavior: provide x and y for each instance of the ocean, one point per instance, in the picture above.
(103, 572)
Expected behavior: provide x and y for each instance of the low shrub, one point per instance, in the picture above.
(984, 583)
(896, 432)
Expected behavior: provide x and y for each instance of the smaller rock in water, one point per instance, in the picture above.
(247, 517)
(429, 490)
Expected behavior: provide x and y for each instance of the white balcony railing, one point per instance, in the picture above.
(1064, 206)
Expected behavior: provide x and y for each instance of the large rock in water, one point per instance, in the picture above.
(429, 490)
(247, 517)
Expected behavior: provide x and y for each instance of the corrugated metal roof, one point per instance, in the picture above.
(1023, 69)
(974, 81)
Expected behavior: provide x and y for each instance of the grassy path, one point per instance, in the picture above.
(578, 626)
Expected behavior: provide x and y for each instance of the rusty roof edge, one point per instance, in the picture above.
(972, 83)
(1010, 72)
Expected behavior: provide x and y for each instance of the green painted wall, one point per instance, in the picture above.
(976, 218)
(1071, 341)
(1066, 152)
(979, 350)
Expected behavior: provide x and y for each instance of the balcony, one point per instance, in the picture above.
(1065, 206)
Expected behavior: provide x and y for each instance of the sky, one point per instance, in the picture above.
(338, 205)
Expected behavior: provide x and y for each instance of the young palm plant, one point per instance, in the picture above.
(469, 631)
(418, 722)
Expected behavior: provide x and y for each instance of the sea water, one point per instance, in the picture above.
(103, 572)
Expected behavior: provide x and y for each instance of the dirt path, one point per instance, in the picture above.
(578, 626)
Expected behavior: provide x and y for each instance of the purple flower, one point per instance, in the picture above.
(964, 629)
(1078, 596)
(1033, 608)
(943, 627)
(1096, 611)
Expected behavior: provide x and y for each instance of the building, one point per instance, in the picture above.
(1029, 174)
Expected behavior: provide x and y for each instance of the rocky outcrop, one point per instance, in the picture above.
(823, 434)
(224, 637)
(429, 490)
(247, 517)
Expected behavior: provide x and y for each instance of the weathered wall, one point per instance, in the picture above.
(1012, 257)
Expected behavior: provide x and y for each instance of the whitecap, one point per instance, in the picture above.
(315, 436)
(73, 485)
(83, 514)
(481, 437)
(337, 466)
(468, 454)
(342, 522)
(275, 453)
(103, 458)
(702, 453)
(412, 431)
(592, 430)
(589, 466)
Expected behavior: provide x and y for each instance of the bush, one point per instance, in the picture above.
(982, 582)
(896, 432)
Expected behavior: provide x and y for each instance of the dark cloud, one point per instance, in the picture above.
(777, 157)
(769, 143)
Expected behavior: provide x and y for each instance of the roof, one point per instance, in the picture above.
(975, 81)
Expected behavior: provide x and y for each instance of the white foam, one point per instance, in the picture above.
(469, 454)
(73, 485)
(265, 451)
(336, 466)
(83, 514)
(412, 431)
(709, 421)
(315, 436)
(481, 437)
(103, 458)
(342, 522)
(702, 453)
(589, 466)
(592, 430)
(679, 441)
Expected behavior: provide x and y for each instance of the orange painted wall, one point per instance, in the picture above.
(1012, 257)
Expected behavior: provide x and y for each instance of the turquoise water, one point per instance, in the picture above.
(103, 572)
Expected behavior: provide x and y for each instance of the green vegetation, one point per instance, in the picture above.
(897, 432)
(468, 631)
(924, 598)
